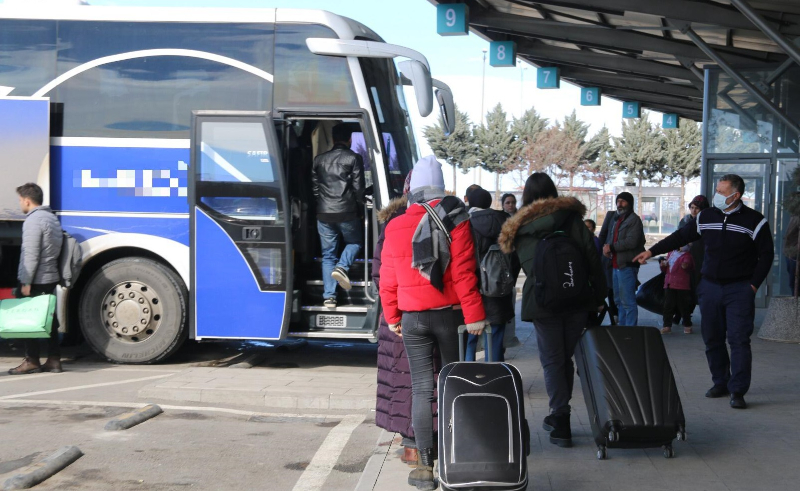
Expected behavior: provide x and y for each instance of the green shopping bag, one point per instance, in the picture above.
(30, 317)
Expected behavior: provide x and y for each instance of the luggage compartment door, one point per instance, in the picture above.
(240, 228)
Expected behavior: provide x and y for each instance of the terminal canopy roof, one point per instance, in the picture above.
(634, 50)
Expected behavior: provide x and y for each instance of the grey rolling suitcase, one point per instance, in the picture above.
(484, 438)
(629, 389)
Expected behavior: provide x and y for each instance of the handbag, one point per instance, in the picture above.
(650, 295)
(27, 318)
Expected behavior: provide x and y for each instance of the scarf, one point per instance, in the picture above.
(430, 245)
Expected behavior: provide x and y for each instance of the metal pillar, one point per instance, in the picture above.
(754, 17)
(757, 94)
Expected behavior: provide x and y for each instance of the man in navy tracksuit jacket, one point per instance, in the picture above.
(738, 255)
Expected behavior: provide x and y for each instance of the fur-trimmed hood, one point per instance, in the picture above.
(533, 212)
(385, 213)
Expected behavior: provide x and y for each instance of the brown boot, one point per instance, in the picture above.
(410, 456)
(29, 365)
(422, 475)
(52, 365)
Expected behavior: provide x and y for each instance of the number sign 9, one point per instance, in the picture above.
(503, 53)
(452, 19)
(590, 96)
(548, 78)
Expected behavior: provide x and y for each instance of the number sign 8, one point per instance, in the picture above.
(503, 54)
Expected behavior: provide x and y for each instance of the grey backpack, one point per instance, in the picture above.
(495, 273)
(70, 261)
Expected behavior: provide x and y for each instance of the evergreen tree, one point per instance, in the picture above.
(497, 145)
(682, 153)
(639, 152)
(459, 149)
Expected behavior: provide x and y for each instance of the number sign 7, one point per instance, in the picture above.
(547, 78)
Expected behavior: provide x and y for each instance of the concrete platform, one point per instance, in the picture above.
(753, 449)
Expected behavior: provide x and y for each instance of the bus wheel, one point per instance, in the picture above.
(133, 310)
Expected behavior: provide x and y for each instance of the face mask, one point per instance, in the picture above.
(721, 201)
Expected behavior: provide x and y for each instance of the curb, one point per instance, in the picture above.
(44, 469)
(133, 418)
(372, 471)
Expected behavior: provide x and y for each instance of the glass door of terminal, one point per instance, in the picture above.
(757, 195)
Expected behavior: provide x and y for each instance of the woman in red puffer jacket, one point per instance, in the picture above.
(428, 288)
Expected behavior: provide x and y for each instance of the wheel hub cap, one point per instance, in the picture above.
(131, 311)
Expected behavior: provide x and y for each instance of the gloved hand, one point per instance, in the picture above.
(476, 328)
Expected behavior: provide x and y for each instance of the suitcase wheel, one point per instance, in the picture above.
(681, 436)
(613, 435)
(602, 453)
(668, 452)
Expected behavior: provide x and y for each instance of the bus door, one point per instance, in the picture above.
(241, 275)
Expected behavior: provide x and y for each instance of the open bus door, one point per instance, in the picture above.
(241, 274)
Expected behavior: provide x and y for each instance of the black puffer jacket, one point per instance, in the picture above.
(338, 181)
(486, 227)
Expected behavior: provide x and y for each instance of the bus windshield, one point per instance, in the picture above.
(393, 121)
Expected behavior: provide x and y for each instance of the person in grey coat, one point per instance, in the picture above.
(38, 271)
(622, 237)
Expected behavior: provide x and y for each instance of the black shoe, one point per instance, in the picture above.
(737, 401)
(717, 391)
(340, 275)
(549, 422)
(562, 433)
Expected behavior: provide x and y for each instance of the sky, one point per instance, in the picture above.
(457, 61)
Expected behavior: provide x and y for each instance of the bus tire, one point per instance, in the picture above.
(134, 310)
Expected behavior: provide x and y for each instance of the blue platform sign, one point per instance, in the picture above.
(631, 110)
(590, 96)
(670, 121)
(452, 19)
(503, 53)
(548, 78)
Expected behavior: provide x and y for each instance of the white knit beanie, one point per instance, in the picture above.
(427, 174)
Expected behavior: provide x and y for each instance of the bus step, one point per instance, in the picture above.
(343, 334)
(320, 283)
(341, 308)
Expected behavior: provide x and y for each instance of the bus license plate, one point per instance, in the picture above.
(327, 320)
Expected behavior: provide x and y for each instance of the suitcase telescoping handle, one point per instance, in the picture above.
(461, 347)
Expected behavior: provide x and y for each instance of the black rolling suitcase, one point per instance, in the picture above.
(484, 438)
(629, 389)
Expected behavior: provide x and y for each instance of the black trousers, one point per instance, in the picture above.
(421, 332)
(53, 346)
(680, 301)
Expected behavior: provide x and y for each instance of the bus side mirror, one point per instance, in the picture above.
(447, 108)
(420, 78)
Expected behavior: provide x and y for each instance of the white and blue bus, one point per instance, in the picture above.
(177, 145)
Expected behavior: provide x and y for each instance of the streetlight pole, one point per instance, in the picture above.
(483, 97)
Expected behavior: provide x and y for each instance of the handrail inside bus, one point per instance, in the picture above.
(151, 52)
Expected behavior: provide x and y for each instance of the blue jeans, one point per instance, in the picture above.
(625, 295)
(498, 352)
(329, 234)
(791, 267)
(728, 313)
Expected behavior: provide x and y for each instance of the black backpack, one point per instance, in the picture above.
(495, 273)
(560, 272)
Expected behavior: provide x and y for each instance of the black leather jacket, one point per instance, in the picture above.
(338, 181)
